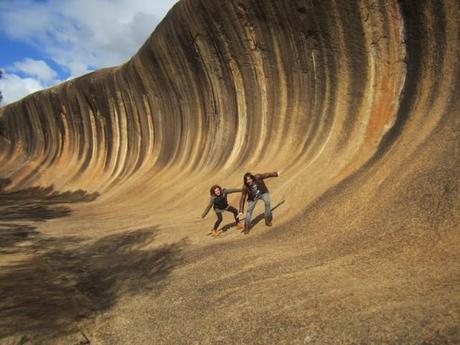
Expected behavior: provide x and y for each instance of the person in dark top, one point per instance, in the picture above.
(220, 204)
(254, 189)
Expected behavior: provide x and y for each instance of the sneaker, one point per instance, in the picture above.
(239, 225)
(215, 233)
(268, 222)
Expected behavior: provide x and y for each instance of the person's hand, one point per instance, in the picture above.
(240, 216)
(278, 173)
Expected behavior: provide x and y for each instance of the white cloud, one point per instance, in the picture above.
(78, 35)
(83, 35)
(13, 87)
(35, 68)
(24, 77)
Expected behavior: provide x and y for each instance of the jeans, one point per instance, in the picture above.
(219, 215)
(252, 204)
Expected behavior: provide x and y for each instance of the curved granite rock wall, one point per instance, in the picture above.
(356, 102)
(316, 89)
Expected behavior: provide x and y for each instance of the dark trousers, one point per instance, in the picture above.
(219, 215)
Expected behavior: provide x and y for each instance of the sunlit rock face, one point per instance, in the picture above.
(318, 86)
(314, 88)
(355, 102)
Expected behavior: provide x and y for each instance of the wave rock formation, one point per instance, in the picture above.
(355, 102)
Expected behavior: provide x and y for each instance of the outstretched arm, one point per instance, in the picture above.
(206, 210)
(267, 175)
(233, 190)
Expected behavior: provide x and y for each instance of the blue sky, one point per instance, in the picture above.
(45, 42)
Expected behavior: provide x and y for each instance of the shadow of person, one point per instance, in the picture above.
(256, 220)
(228, 226)
(261, 216)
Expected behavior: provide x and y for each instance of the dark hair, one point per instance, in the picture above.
(211, 191)
(248, 174)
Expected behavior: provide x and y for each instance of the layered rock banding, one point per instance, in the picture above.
(356, 102)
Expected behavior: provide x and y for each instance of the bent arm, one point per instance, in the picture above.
(267, 175)
(206, 210)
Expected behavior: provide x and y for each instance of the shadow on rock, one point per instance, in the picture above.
(228, 226)
(48, 284)
(38, 203)
(14, 236)
(256, 220)
(68, 279)
(261, 216)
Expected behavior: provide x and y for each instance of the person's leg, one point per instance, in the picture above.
(235, 214)
(268, 209)
(217, 223)
(247, 220)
